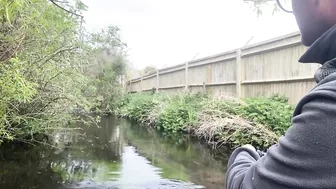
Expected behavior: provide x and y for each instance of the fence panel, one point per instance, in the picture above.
(262, 69)
(148, 83)
(172, 79)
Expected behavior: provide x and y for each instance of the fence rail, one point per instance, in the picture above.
(262, 69)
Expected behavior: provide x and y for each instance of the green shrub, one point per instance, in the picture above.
(180, 112)
(137, 107)
(258, 121)
(274, 112)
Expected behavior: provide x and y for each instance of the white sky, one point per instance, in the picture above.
(169, 32)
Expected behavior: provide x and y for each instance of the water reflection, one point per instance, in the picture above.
(118, 155)
(179, 157)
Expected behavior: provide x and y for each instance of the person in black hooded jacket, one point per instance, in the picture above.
(305, 157)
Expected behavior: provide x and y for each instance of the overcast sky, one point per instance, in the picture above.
(169, 32)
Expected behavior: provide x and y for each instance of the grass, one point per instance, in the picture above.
(220, 121)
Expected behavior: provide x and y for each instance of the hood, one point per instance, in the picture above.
(322, 50)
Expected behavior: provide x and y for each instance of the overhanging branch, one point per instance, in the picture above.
(59, 6)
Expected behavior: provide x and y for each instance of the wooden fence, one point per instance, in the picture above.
(263, 69)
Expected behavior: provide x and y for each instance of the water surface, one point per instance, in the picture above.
(116, 155)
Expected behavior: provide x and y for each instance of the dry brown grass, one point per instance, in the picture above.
(218, 127)
(232, 130)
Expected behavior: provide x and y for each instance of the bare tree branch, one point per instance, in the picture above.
(59, 6)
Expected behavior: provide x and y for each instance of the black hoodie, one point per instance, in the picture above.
(305, 158)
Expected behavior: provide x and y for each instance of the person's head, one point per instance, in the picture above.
(314, 17)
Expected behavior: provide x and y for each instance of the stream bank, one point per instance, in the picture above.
(221, 120)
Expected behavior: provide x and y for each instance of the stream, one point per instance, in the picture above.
(118, 154)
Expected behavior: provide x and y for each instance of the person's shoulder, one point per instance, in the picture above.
(328, 84)
(324, 90)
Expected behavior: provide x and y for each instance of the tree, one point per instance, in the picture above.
(259, 5)
(45, 56)
(148, 70)
(108, 66)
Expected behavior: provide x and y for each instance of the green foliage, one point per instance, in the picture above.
(274, 112)
(258, 121)
(148, 70)
(136, 107)
(180, 111)
(108, 69)
(50, 66)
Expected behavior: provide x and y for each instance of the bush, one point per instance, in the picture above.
(258, 121)
(274, 112)
(180, 111)
(136, 107)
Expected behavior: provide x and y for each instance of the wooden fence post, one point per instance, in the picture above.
(238, 73)
(125, 86)
(157, 81)
(130, 86)
(186, 76)
(204, 87)
(141, 87)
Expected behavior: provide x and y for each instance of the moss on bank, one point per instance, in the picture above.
(226, 120)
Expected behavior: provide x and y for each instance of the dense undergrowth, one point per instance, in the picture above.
(226, 120)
